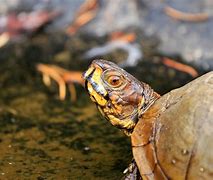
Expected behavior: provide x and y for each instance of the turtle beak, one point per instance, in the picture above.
(94, 84)
(88, 72)
(87, 76)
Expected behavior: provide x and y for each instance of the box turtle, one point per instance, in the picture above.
(171, 136)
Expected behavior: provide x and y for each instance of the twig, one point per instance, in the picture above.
(62, 77)
(127, 37)
(85, 14)
(180, 67)
(182, 16)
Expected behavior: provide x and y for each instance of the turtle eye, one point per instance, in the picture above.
(114, 80)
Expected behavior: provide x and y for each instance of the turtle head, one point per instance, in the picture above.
(118, 95)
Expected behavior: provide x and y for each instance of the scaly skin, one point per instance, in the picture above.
(119, 96)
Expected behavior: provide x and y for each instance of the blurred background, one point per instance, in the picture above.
(49, 129)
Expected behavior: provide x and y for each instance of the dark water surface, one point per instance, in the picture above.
(42, 137)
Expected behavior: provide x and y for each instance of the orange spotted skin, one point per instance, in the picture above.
(120, 97)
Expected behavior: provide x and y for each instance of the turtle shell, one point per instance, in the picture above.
(174, 138)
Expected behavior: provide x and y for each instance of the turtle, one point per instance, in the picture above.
(171, 135)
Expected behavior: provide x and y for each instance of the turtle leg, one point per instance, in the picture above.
(132, 172)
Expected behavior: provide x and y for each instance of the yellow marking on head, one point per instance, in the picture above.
(92, 98)
(97, 74)
(101, 111)
(118, 108)
(89, 71)
(125, 123)
(95, 96)
(96, 77)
